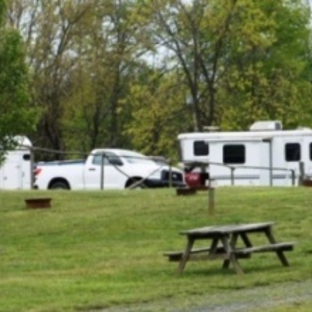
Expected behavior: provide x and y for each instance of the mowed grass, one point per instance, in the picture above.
(94, 250)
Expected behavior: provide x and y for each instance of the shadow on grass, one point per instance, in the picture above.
(249, 271)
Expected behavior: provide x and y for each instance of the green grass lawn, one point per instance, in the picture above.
(94, 250)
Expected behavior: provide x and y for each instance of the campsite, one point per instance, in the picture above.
(211, 97)
(103, 251)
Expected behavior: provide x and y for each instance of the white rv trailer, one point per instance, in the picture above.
(265, 155)
(16, 170)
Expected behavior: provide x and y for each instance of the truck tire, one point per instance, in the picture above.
(59, 185)
(132, 181)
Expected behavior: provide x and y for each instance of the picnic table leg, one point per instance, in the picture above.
(280, 254)
(185, 255)
(213, 246)
(246, 240)
(226, 263)
(231, 255)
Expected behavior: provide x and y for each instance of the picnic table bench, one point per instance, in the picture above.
(228, 251)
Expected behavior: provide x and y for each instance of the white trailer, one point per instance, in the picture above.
(264, 155)
(16, 170)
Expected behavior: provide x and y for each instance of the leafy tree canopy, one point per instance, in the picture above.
(16, 117)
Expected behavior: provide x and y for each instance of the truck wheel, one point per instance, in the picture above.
(59, 186)
(134, 181)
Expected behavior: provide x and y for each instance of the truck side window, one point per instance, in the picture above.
(97, 160)
(234, 154)
(114, 159)
(292, 152)
(109, 159)
(201, 148)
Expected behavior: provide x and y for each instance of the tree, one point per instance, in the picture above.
(267, 65)
(158, 113)
(48, 28)
(109, 51)
(195, 33)
(16, 115)
(120, 72)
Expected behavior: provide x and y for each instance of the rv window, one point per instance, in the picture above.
(234, 154)
(292, 152)
(26, 157)
(201, 148)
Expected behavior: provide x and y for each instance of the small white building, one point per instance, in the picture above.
(16, 170)
(264, 155)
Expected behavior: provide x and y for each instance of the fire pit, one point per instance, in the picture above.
(38, 203)
(185, 191)
(307, 182)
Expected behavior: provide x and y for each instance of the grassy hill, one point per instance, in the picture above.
(97, 250)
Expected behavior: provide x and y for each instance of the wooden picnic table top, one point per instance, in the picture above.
(227, 229)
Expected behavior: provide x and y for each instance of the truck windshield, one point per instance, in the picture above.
(136, 158)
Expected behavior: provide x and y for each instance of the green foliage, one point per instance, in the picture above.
(3, 7)
(102, 76)
(159, 114)
(267, 66)
(16, 116)
(98, 250)
(118, 73)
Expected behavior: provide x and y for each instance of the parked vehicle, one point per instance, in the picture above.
(16, 170)
(108, 169)
(159, 160)
(264, 155)
(194, 177)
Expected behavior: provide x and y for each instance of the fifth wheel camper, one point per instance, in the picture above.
(264, 155)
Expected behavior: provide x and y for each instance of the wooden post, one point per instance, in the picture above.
(32, 165)
(170, 173)
(102, 172)
(232, 175)
(293, 177)
(211, 198)
(301, 173)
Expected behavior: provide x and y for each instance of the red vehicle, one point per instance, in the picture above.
(195, 179)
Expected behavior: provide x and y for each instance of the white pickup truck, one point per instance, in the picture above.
(121, 169)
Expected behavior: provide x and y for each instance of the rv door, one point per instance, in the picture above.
(26, 170)
(12, 177)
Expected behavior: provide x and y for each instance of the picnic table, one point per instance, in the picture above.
(224, 245)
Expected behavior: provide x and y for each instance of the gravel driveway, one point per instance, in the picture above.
(253, 299)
